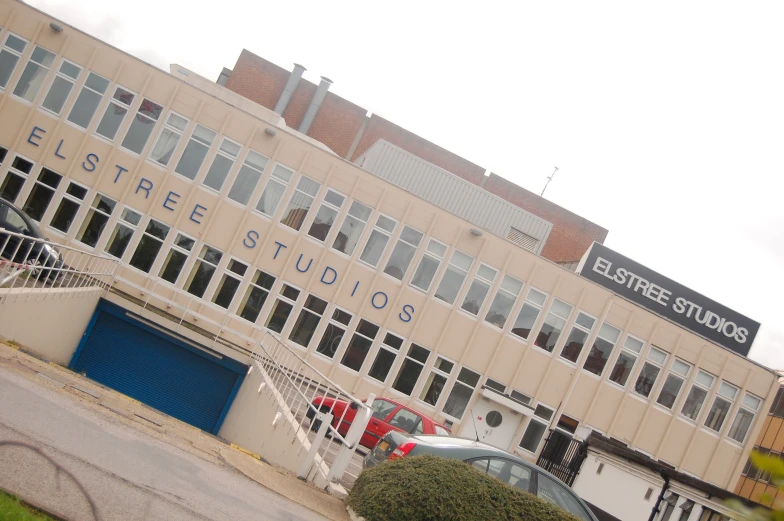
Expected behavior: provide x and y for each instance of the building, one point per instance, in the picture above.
(754, 484)
(350, 132)
(228, 221)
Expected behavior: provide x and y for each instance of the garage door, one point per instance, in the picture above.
(143, 361)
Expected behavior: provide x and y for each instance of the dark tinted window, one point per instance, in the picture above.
(552, 491)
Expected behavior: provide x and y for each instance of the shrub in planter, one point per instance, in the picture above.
(429, 488)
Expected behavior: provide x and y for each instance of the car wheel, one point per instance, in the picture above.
(36, 267)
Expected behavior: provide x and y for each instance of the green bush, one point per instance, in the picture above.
(429, 488)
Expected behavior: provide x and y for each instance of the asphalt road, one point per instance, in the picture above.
(130, 476)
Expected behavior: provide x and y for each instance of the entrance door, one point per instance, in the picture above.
(491, 423)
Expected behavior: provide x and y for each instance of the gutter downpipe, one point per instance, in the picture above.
(655, 509)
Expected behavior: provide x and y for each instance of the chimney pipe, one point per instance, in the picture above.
(288, 90)
(315, 105)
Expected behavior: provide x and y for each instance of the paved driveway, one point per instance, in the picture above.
(129, 475)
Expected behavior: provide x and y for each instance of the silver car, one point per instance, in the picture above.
(494, 462)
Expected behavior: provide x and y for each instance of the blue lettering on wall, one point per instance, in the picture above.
(57, 152)
(197, 213)
(91, 160)
(142, 186)
(334, 275)
(169, 199)
(280, 245)
(251, 234)
(355, 288)
(373, 300)
(36, 136)
(408, 309)
(298, 261)
(120, 170)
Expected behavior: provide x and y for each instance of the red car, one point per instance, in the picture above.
(388, 415)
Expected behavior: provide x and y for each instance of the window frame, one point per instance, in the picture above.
(337, 324)
(64, 76)
(119, 221)
(406, 358)
(433, 256)
(629, 352)
(220, 152)
(310, 311)
(658, 365)
(91, 209)
(227, 272)
(542, 421)
(101, 96)
(390, 349)
(565, 319)
(13, 52)
(613, 345)
(113, 100)
(73, 199)
(743, 407)
(138, 114)
(699, 385)
(144, 234)
(330, 206)
(671, 372)
(192, 137)
(12, 170)
(730, 401)
(201, 258)
(167, 125)
(45, 80)
(435, 372)
(180, 249)
(354, 334)
(399, 240)
(349, 217)
(284, 219)
(501, 291)
(250, 288)
(286, 300)
(34, 187)
(381, 231)
(273, 178)
(580, 327)
(457, 381)
(451, 266)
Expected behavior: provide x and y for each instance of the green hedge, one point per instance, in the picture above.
(429, 488)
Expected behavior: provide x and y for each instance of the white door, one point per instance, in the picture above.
(491, 423)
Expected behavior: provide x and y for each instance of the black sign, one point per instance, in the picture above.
(667, 298)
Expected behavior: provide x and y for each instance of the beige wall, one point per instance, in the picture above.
(50, 321)
(443, 329)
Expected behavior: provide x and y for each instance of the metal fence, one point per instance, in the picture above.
(562, 456)
(28, 262)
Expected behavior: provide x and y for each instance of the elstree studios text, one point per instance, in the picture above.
(669, 299)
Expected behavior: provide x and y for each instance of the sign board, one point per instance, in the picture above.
(658, 294)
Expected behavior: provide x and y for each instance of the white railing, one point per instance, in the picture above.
(27, 262)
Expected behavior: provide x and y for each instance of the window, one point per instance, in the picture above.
(248, 177)
(553, 492)
(428, 265)
(454, 276)
(221, 165)
(602, 348)
(142, 126)
(359, 346)
(42, 193)
(411, 369)
(115, 113)
(461, 393)
(123, 232)
(88, 100)
(195, 152)
(722, 404)
(403, 253)
(202, 271)
(504, 301)
(537, 426)
(308, 320)
(69, 207)
(326, 215)
(672, 385)
(777, 409)
(576, 339)
(626, 360)
(649, 372)
(175, 260)
(510, 473)
(3, 154)
(378, 240)
(495, 386)
(300, 203)
(528, 314)
(407, 421)
(277, 318)
(382, 408)
(477, 292)
(567, 424)
(744, 417)
(167, 141)
(273, 192)
(385, 358)
(15, 179)
(333, 333)
(229, 283)
(553, 325)
(435, 383)
(353, 226)
(256, 295)
(34, 74)
(149, 245)
(520, 397)
(61, 87)
(12, 50)
(97, 217)
(702, 385)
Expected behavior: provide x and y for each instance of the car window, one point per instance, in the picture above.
(405, 420)
(442, 431)
(552, 491)
(510, 473)
(13, 219)
(418, 429)
(480, 464)
(382, 409)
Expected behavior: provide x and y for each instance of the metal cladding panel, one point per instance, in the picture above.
(141, 363)
(453, 194)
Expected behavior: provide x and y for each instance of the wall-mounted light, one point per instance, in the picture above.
(269, 132)
(477, 232)
(56, 27)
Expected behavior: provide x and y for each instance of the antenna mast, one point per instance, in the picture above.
(550, 178)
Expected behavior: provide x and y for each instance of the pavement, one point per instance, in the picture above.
(133, 461)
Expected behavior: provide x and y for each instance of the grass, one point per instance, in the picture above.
(12, 509)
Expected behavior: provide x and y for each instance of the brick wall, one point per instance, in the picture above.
(338, 122)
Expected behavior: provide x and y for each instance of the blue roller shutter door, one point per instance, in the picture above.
(157, 369)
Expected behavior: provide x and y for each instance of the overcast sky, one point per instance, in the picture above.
(666, 119)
